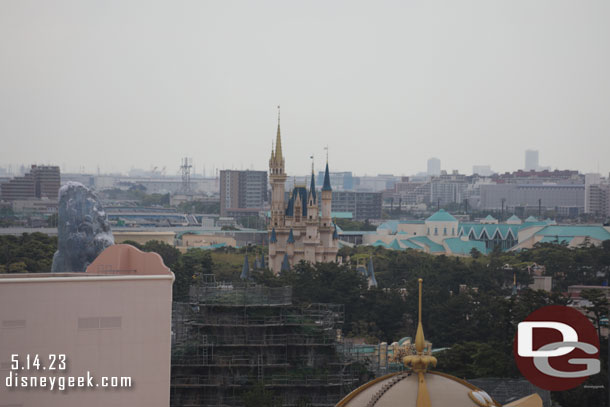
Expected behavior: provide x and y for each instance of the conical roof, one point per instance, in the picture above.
(326, 186)
(290, 237)
(441, 216)
(245, 270)
(285, 264)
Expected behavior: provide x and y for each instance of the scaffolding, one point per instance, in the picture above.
(230, 337)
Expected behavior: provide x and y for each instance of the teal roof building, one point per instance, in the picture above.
(442, 233)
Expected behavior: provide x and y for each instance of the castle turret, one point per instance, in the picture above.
(312, 200)
(327, 196)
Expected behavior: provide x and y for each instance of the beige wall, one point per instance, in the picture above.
(143, 237)
(60, 313)
(206, 240)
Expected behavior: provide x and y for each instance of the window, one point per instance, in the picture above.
(444, 231)
(435, 231)
(13, 323)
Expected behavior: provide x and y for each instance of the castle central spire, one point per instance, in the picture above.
(278, 139)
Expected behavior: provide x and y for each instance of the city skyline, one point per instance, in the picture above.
(385, 87)
(211, 171)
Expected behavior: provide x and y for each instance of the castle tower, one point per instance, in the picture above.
(312, 200)
(277, 179)
(327, 197)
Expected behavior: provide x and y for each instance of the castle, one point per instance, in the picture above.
(300, 229)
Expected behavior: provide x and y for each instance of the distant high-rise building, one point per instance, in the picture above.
(597, 195)
(434, 166)
(242, 192)
(342, 181)
(482, 170)
(41, 182)
(531, 160)
(362, 205)
(448, 188)
(598, 199)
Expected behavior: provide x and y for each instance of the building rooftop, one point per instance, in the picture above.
(441, 216)
(594, 232)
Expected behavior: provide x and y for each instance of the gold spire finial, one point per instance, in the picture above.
(419, 362)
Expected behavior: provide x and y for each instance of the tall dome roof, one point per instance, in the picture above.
(419, 387)
(401, 389)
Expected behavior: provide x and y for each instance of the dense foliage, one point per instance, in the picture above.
(469, 305)
(27, 253)
(348, 224)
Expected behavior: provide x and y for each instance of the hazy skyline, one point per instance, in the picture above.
(386, 85)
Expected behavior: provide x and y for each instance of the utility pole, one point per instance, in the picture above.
(539, 209)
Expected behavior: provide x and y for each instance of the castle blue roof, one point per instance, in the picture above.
(290, 207)
(302, 192)
(290, 237)
(441, 216)
(312, 187)
(273, 238)
(285, 264)
(326, 186)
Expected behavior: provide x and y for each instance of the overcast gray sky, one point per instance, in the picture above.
(385, 84)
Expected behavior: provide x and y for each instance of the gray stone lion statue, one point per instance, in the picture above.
(83, 230)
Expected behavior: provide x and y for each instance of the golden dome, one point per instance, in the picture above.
(418, 387)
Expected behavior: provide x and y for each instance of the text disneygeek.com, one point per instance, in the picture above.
(19, 378)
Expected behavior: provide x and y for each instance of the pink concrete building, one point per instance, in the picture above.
(112, 323)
